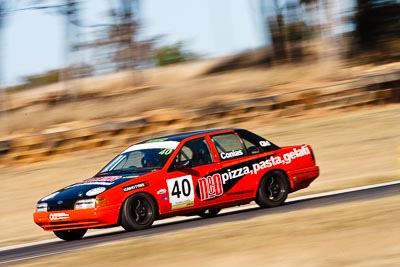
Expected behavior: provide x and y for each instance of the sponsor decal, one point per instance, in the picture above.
(49, 196)
(232, 154)
(135, 186)
(161, 191)
(211, 187)
(215, 185)
(287, 158)
(166, 151)
(95, 191)
(102, 179)
(235, 174)
(180, 192)
(58, 216)
(265, 143)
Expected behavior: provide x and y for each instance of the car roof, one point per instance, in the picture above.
(181, 136)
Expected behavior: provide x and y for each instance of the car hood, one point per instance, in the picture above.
(65, 198)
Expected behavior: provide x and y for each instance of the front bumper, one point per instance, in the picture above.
(75, 219)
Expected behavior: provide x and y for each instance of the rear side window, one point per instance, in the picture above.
(228, 146)
(251, 147)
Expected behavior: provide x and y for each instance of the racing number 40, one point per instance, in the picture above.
(183, 188)
(181, 192)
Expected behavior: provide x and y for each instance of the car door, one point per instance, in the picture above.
(235, 166)
(187, 178)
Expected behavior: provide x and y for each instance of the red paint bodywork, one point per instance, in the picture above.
(300, 172)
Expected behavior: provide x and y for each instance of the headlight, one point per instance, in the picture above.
(85, 204)
(41, 207)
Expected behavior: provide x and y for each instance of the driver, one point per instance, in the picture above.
(150, 159)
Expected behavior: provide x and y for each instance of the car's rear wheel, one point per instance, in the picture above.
(138, 212)
(273, 190)
(209, 213)
(69, 235)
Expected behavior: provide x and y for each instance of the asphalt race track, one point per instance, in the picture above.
(55, 246)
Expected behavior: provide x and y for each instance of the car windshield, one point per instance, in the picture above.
(147, 156)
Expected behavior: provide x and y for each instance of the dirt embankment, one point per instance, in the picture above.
(86, 114)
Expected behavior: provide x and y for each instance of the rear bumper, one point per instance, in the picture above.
(302, 178)
(74, 219)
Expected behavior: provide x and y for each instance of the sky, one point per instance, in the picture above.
(33, 40)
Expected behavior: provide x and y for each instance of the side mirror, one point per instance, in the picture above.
(187, 164)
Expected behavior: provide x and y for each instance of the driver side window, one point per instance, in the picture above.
(196, 151)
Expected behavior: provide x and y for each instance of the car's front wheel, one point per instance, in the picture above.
(273, 190)
(138, 212)
(69, 235)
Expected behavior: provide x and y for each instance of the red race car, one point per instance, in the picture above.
(195, 173)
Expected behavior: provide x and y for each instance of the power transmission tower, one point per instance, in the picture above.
(124, 31)
(119, 42)
(71, 13)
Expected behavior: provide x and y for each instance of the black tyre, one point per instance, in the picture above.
(138, 212)
(209, 213)
(273, 190)
(69, 235)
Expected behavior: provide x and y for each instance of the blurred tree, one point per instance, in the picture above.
(49, 77)
(377, 23)
(120, 42)
(320, 17)
(118, 46)
(287, 28)
(31, 81)
(173, 54)
(295, 30)
(276, 26)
